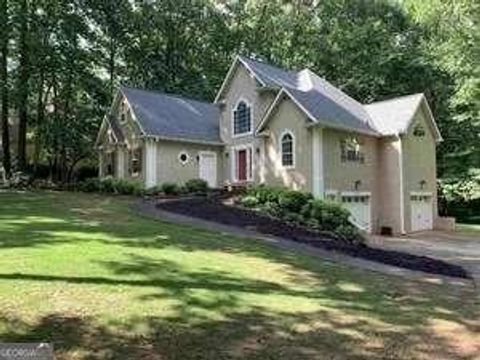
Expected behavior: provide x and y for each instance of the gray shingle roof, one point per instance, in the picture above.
(174, 117)
(393, 116)
(327, 104)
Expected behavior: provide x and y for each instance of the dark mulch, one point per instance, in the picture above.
(213, 210)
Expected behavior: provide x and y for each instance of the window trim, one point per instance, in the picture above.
(280, 145)
(360, 156)
(182, 152)
(232, 118)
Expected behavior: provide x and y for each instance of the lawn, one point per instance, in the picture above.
(100, 282)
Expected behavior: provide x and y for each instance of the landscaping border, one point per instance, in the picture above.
(214, 211)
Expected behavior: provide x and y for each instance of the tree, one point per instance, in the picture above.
(23, 79)
(4, 113)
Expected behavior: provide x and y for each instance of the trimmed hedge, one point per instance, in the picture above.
(301, 208)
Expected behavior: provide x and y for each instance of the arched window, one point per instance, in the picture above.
(242, 122)
(287, 147)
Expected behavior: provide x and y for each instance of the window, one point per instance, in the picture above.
(110, 168)
(351, 150)
(136, 163)
(242, 122)
(287, 148)
(183, 158)
(418, 131)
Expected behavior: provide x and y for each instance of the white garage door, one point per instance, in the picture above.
(360, 209)
(421, 212)
(208, 168)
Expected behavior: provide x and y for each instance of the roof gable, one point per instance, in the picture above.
(394, 116)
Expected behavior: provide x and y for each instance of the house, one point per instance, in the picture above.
(277, 127)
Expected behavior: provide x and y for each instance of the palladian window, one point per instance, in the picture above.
(242, 122)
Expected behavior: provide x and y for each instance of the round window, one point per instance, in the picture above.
(183, 157)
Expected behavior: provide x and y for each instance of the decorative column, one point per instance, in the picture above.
(150, 163)
(318, 186)
(120, 163)
(101, 171)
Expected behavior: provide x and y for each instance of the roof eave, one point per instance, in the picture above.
(182, 139)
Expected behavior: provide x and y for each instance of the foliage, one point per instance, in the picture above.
(112, 186)
(196, 186)
(294, 201)
(249, 201)
(301, 208)
(63, 59)
(170, 188)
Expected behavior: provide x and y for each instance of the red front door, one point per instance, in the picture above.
(242, 165)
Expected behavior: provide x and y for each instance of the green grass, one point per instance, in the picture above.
(87, 273)
(475, 228)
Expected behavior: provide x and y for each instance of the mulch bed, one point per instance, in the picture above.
(213, 210)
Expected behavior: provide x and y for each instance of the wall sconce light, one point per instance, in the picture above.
(357, 184)
(226, 154)
(257, 150)
(422, 184)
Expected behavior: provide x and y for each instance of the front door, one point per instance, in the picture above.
(242, 165)
(208, 168)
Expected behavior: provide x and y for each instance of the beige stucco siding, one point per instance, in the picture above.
(243, 86)
(389, 184)
(169, 167)
(419, 159)
(341, 176)
(288, 117)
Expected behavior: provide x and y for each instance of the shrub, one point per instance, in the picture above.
(266, 194)
(89, 185)
(249, 201)
(196, 186)
(170, 188)
(112, 186)
(293, 201)
(328, 214)
(128, 187)
(349, 233)
(153, 191)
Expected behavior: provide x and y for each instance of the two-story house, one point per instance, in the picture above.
(277, 127)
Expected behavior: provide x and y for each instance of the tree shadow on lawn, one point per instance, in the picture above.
(362, 315)
(353, 322)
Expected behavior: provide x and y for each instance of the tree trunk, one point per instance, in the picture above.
(4, 85)
(23, 86)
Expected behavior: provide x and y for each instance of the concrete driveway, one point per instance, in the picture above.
(455, 247)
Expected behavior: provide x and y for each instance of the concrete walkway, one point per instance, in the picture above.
(148, 208)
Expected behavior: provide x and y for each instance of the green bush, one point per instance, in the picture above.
(266, 194)
(153, 191)
(301, 208)
(196, 186)
(329, 215)
(112, 186)
(89, 185)
(170, 188)
(293, 201)
(249, 201)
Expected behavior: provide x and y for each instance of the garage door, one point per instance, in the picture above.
(360, 209)
(421, 212)
(208, 168)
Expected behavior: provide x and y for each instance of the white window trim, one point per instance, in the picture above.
(294, 143)
(250, 162)
(356, 193)
(183, 163)
(421, 193)
(232, 118)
